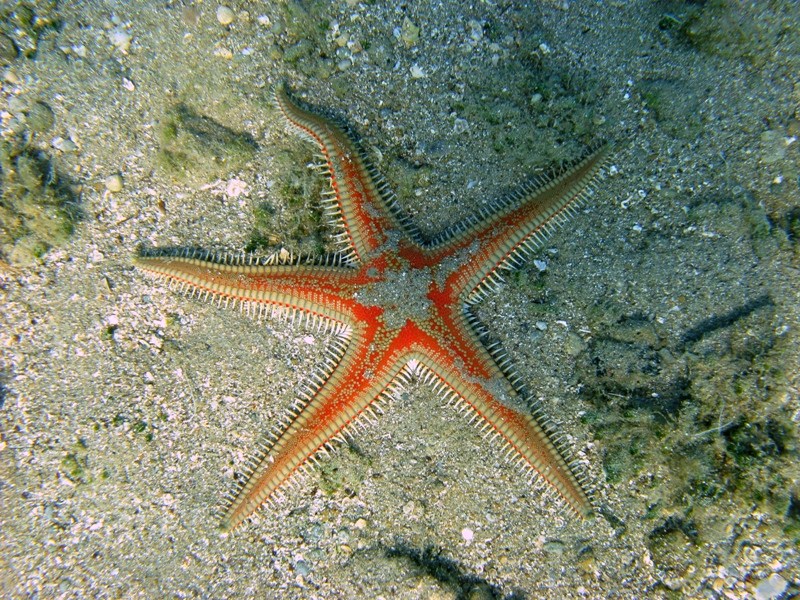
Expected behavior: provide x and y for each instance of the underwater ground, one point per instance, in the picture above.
(659, 329)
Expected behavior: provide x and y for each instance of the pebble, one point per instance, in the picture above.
(11, 77)
(120, 39)
(771, 588)
(554, 547)
(773, 147)
(225, 15)
(409, 33)
(40, 117)
(114, 183)
(8, 49)
(460, 125)
(417, 72)
(302, 568)
(574, 345)
(63, 144)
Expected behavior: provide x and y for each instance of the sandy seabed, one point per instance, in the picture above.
(662, 335)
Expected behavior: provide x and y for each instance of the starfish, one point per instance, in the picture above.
(398, 307)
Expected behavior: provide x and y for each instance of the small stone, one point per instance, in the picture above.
(409, 33)
(460, 125)
(773, 147)
(574, 345)
(771, 588)
(225, 15)
(11, 77)
(417, 72)
(467, 534)
(554, 547)
(223, 52)
(120, 39)
(8, 49)
(114, 183)
(40, 117)
(64, 144)
(302, 568)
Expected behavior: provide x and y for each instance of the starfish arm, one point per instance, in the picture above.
(476, 386)
(308, 293)
(334, 402)
(502, 236)
(359, 200)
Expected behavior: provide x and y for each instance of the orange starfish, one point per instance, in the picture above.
(400, 307)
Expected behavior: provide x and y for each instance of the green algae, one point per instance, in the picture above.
(76, 463)
(195, 148)
(727, 29)
(24, 23)
(294, 218)
(38, 207)
(708, 409)
(344, 472)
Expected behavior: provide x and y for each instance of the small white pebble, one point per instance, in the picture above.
(467, 534)
(771, 588)
(223, 52)
(235, 188)
(225, 15)
(417, 72)
(114, 183)
(11, 77)
(63, 144)
(120, 39)
(541, 325)
(460, 125)
(540, 264)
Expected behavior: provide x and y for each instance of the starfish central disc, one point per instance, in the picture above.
(402, 294)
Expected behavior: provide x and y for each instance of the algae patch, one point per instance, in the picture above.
(294, 220)
(196, 148)
(38, 207)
